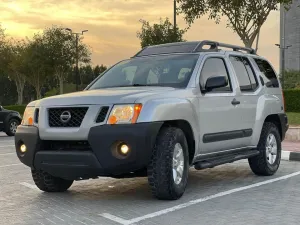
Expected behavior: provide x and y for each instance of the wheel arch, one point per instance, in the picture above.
(274, 118)
(189, 134)
(12, 116)
(9, 117)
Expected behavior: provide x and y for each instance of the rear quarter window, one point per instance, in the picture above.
(267, 73)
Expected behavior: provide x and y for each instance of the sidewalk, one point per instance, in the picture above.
(291, 146)
(291, 150)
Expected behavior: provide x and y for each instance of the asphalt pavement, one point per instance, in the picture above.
(228, 194)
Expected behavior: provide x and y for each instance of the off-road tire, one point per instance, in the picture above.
(160, 174)
(7, 127)
(259, 164)
(48, 183)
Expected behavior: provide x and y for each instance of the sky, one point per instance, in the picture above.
(113, 24)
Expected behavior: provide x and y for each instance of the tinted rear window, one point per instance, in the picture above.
(267, 73)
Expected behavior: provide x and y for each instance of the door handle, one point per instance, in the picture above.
(235, 102)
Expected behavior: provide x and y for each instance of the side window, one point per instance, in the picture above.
(214, 67)
(253, 78)
(244, 73)
(267, 73)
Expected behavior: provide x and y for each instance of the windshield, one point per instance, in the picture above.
(172, 71)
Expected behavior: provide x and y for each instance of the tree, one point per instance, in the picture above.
(37, 63)
(14, 57)
(61, 49)
(161, 33)
(245, 17)
(98, 70)
(2, 48)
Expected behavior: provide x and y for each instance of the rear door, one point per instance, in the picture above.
(249, 90)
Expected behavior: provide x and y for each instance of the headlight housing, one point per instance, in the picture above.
(124, 114)
(28, 116)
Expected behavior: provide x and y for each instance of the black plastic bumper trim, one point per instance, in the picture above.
(228, 135)
(97, 160)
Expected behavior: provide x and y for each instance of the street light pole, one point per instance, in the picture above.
(175, 15)
(76, 55)
(175, 25)
(77, 69)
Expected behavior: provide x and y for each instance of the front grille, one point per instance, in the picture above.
(66, 146)
(102, 114)
(76, 116)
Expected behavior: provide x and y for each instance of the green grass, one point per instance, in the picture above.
(294, 118)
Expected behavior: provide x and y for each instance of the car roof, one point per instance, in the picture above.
(190, 47)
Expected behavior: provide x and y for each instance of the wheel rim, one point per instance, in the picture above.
(13, 127)
(271, 149)
(178, 163)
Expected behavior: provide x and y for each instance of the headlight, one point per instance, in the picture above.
(28, 116)
(124, 114)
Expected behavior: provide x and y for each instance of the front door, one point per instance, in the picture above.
(219, 112)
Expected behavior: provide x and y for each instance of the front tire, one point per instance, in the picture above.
(48, 183)
(11, 127)
(169, 166)
(269, 146)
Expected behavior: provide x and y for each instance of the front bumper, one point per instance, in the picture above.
(93, 158)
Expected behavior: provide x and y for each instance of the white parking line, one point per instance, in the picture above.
(2, 154)
(5, 146)
(31, 186)
(193, 202)
(18, 164)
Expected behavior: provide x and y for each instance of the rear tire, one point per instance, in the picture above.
(268, 161)
(168, 172)
(11, 127)
(48, 183)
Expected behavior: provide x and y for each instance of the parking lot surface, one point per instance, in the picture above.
(229, 194)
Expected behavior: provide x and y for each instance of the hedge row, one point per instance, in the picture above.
(292, 100)
(18, 108)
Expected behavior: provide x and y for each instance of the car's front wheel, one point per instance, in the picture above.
(11, 127)
(169, 167)
(48, 183)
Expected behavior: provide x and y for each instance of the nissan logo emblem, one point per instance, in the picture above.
(65, 117)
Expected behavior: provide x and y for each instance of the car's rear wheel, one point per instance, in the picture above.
(11, 127)
(269, 146)
(48, 183)
(169, 167)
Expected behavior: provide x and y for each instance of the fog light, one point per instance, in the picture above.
(124, 149)
(23, 148)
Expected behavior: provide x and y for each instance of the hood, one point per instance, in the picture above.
(119, 95)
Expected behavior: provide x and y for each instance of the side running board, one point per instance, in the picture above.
(220, 160)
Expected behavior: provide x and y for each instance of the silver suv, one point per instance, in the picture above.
(168, 108)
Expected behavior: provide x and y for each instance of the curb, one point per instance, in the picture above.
(290, 156)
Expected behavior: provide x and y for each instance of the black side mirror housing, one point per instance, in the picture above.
(215, 82)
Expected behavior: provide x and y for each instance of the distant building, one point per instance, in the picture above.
(290, 36)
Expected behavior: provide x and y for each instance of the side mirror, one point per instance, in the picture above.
(1, 108)
(215, 82)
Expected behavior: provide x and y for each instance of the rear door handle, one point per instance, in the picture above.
(235, 102)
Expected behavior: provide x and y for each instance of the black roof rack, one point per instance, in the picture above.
(190, 47)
